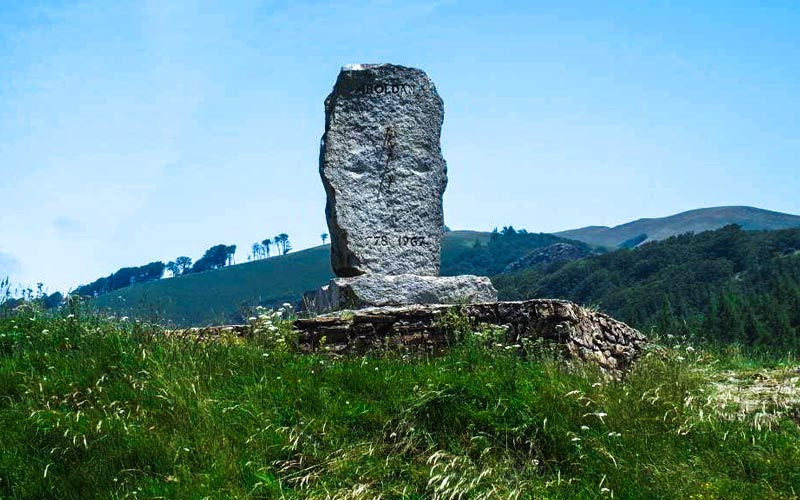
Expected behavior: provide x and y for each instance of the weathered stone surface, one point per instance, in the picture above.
(383, 171)
(371, 290)
(584, 334)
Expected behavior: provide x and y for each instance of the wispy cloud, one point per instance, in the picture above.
(68, 228)
(9, 265)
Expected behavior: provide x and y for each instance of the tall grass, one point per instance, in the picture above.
(99, 408)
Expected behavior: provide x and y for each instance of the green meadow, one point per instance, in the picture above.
(92, 407)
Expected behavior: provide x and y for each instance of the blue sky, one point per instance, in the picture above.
(140, 131)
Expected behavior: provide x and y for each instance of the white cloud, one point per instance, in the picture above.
(67, 227)
(9, 265)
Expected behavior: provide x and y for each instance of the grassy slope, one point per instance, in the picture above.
(217, 296)
(96, 409)
(703, 219)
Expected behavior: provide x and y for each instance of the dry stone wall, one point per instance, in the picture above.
(584, 334)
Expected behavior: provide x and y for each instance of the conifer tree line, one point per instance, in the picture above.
(264, 249)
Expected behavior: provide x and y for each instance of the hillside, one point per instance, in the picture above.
(487, 254)
(728, 285)
(224, 295)
(703, 219)
(219, 296)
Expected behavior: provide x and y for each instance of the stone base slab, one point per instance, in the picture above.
(376, 290)
(583, 334)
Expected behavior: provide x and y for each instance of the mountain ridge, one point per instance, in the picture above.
(695, 220)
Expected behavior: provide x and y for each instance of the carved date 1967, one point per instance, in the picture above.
(399, 241)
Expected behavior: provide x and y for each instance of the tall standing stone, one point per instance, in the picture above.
(384, 174)
(383, 171)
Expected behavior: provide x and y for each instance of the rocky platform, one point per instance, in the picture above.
(586, 335)
(375, 290)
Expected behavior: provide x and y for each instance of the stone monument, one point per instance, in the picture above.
(384, 176)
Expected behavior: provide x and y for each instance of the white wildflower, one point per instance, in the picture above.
(599, 414)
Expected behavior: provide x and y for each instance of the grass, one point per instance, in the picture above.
(98, 408)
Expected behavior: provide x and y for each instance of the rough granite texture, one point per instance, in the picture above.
(584, 334)
(383, 171)
(371, 290)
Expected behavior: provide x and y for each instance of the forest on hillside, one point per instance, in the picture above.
(728, 285)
